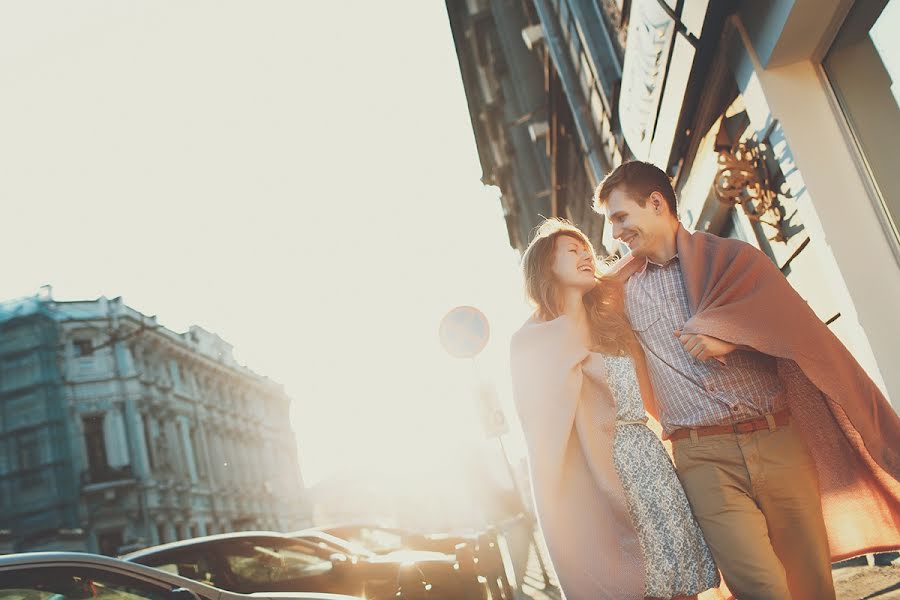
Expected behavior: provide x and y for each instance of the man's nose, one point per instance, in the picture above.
(617, 231)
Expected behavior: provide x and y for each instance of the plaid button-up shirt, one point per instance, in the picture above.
(692, 393)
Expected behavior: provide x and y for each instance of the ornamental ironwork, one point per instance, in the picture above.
(743, 180)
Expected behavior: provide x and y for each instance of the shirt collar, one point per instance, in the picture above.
(648, 262)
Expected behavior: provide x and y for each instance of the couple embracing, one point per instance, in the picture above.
(786, 455)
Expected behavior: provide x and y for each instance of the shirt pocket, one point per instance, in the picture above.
(643, 316)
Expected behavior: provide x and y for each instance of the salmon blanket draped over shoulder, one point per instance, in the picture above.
(737, 294)
(568, 417)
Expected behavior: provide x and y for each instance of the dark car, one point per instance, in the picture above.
(482, 552)
(263, 562)
(327, 541)
(440, 572)
(82, 576)
(382, 539)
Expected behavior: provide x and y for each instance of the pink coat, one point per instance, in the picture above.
(568, 417)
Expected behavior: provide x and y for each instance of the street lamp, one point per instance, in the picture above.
(464, 332)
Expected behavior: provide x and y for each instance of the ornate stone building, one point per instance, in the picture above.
(116, 432)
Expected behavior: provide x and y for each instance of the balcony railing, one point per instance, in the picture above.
(105, 475)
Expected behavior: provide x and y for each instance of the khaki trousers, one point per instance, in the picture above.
(756, 498)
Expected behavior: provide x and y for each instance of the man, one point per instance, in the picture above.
(787, 451)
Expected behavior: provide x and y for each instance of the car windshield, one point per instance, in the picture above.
(334, 544)
(253, 562)
(193, 563)
(244, 565)
(378, 540)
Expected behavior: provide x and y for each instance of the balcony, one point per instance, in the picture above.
(107, 477)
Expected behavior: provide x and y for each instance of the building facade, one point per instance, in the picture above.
(117, 433)
(776, 121)
(506, 100)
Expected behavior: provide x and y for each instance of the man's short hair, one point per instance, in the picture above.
(638, 179)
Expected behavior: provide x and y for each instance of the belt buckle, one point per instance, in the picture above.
(743, 427)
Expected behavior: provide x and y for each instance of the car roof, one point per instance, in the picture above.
(39, 558)
(207, 539)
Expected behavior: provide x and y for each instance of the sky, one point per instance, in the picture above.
(298, 177)
(888, 44)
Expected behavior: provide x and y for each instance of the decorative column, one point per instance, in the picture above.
(184, 430)
(206, 455)
(117, 455)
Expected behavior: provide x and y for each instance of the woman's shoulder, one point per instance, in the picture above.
(539, 331)
(527, 324)
(536, 321)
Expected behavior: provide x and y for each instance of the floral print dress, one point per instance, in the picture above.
(677, 559)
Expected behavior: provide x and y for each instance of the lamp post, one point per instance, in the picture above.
(464, 332)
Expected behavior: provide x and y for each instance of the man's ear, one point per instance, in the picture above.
(657, 201)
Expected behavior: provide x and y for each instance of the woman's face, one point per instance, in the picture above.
(573, 264)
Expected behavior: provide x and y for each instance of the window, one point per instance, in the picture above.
(29, 451)
(83, 347)
(196, 568)
(28, 456)
(20, 371)
(76, 583)
(199, 454)
(148, 441)
(329, 545)
(109, 542)
(242, 565)
(178, 375)
(263, 561)
(863, 67)
(564, 18)
(95, 444)
(379, 540)
(194, 563)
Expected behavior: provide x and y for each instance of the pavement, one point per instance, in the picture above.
(854, 582)
(533, 586)
(864, 582)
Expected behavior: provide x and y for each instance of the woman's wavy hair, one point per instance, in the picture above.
(610, 330)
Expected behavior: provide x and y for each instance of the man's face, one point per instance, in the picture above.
(643, 229)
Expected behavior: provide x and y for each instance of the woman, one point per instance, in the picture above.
(615, 518)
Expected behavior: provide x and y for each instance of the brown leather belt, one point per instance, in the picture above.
(782, 417)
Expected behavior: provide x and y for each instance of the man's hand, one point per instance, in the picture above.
(703, 347)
